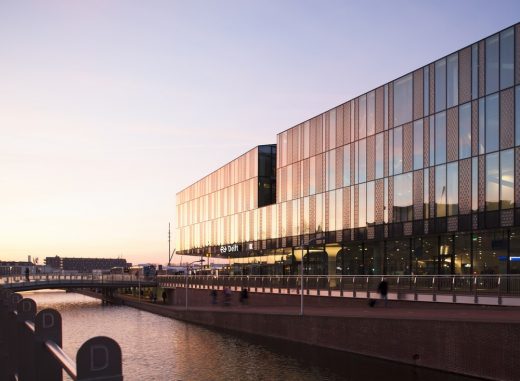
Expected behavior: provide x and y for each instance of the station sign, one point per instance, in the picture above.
(227, 249)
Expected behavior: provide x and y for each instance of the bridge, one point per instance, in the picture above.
(17, 283)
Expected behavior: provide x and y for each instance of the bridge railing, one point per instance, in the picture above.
(476, 286)
(31, 346)
(87, 278)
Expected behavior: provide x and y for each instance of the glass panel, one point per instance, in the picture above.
(492, 182)
(370, 202)
(362, 205)
(453, 189)
(332, 128)
(306, 215)
(391, 152)
(474, 71)
(426, 90)
(418, 144)
(507, 179)
(379, 155)
(397, 261)
(440, 138)
(517, 115)
(339, 209)
(440, 191)
(426, 193)
(465, 131)
(481, 126)
(492, 133)
(492, 64)
(507, 51)
(320, 220)
(514, 247)
(362, 116)
(371, 113)
(462, 254)
(403, 100)
(385, 109)
(474, 184)
(425, 256)
(306, 139)
(356, 162)
(288, 182)
(332, 211)
(403, 197)
(398, 150)
(440, 85)
(490, 252)
(346, 165)
(363, 161)
(453, 80)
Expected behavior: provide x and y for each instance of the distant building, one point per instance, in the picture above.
(85, 265)
(16, 268)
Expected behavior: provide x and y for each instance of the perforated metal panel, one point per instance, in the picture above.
(517, 177)
(507, 218)
(465, 75)
(453, 134)
(418, 195)
(407, 228)
(371, 155)
(517, 63)
(481, 67)
(407, 147)
(465, 186)
(339, 126)
(379, 202)
(346, 122)
(346, 208)
(339, 167)
(385, 154)
(356, 206)
(312, 213)
(426, 140)
(507, 118)
(418, 96)
(356, 121)
(432, 88)
(370, 232)
(432, 191)
(453, 224)
(380, 109)
(390, 199)
(390, 105)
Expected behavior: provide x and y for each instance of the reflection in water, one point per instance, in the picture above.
(158, 348)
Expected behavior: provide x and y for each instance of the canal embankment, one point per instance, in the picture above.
(470, 340)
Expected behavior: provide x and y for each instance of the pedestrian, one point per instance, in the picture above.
(213, 294)
(382, 288)
(27, 274)
(164, 296)
(227, 296)
(243, 296)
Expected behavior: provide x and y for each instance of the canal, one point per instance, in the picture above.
(159, 348)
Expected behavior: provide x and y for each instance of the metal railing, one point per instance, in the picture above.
(31, 346)
(89, 280)
(445, 288)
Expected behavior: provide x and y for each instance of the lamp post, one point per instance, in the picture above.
(187, 269)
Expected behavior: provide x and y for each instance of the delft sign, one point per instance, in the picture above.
(226, 249)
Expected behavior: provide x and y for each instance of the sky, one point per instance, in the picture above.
(109, 108)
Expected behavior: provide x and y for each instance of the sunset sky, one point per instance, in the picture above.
(108, 108)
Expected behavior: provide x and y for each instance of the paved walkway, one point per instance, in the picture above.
(394, 310)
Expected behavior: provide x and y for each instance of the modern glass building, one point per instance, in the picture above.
(418, 176)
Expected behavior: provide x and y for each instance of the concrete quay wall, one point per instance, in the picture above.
(475, 348)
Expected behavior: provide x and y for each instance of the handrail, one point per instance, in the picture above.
(66, 362)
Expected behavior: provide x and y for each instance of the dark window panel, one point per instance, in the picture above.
(418, 96)
(440, 85)
(465, 75)
(452, 80)
(492, 72)
(474, 128)
(452, 133)
(507, 179)
(355, 116)
(385, 156)
(452, 185)
(507, 118)
(418, 144)
(507, 58)
(403, 100)
(465, 186)
(492, 123)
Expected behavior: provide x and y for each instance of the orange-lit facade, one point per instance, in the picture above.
(420, 175)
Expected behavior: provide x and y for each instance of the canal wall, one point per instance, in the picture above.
(476, 348)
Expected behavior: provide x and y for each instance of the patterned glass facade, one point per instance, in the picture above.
(421, 175)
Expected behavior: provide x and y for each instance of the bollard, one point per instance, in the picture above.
(47, 327)
(99, 359)
(25, 311)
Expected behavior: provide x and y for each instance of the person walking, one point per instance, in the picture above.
(27, 274)
(164, 296)
(382, 288)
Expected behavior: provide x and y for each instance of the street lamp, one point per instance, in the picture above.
(187, 269)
